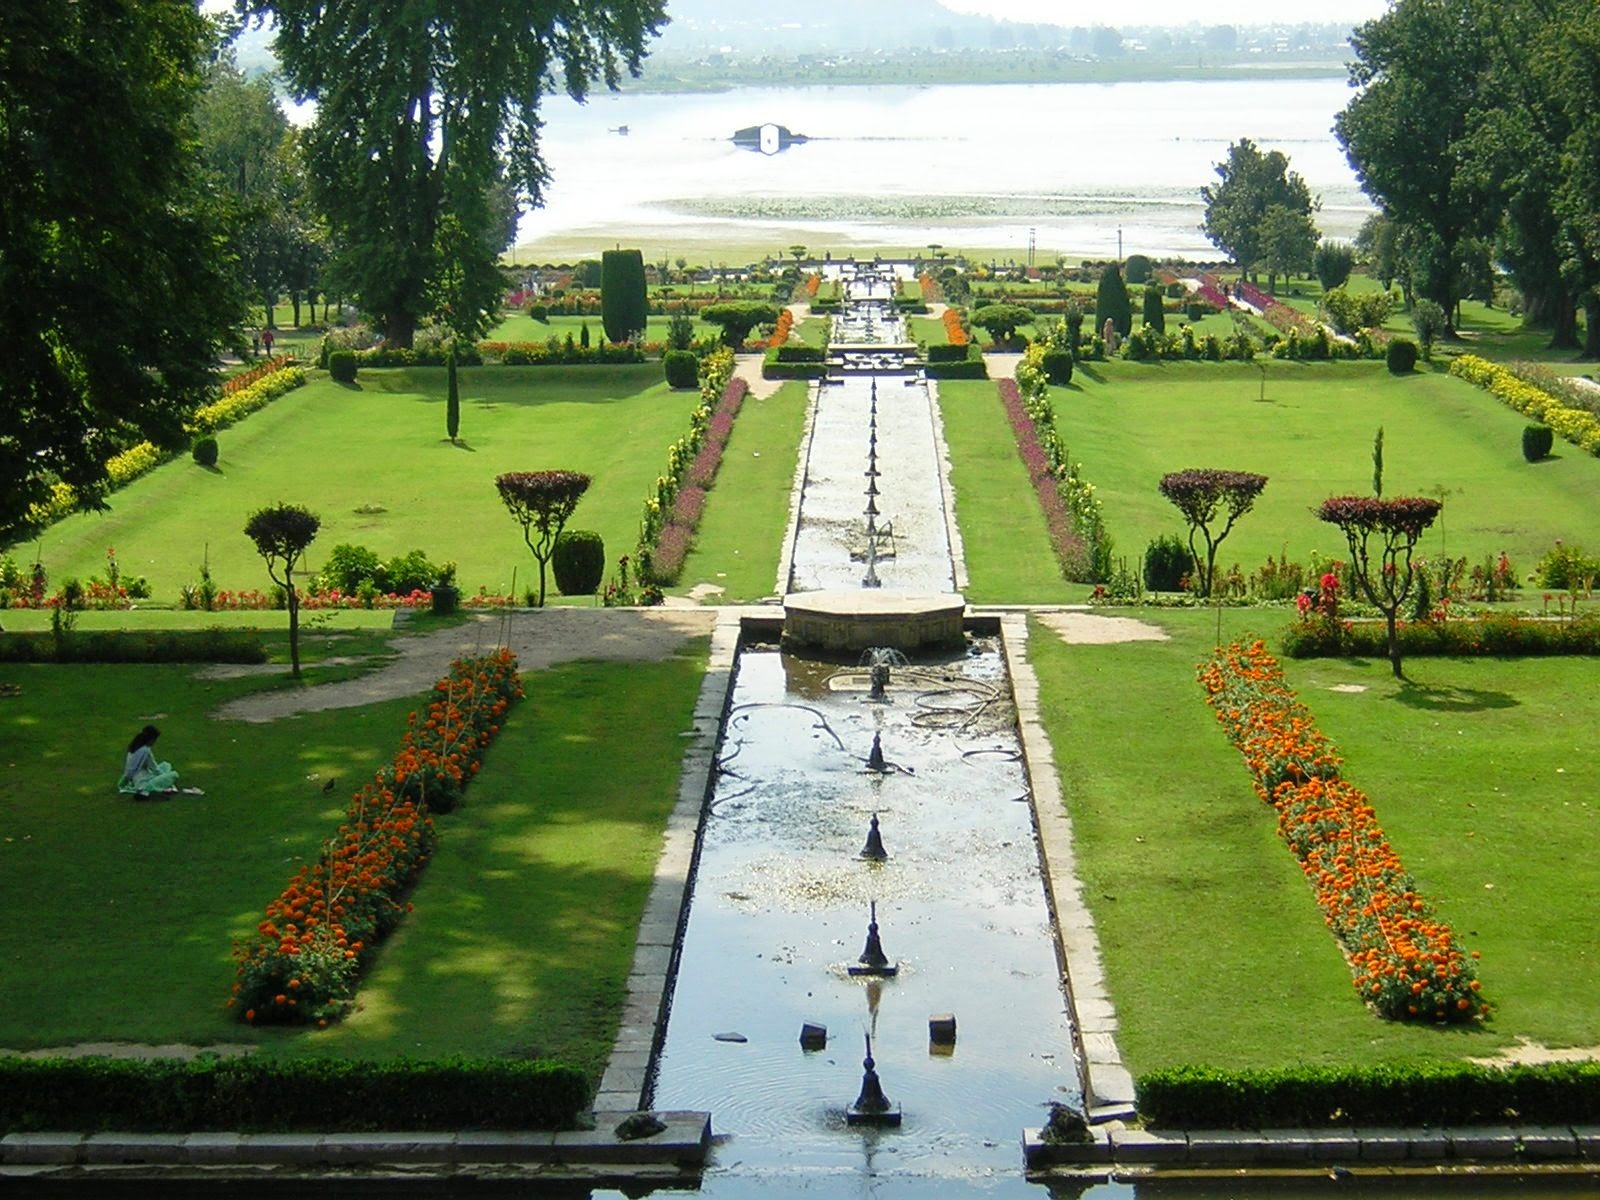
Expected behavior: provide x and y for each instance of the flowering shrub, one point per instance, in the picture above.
(929, 286)
(1404, 958)
(780, 331)
(1070, 550)
(1577, 425)
(1213, 293)
(1086, 556)
(1277, 314)
(240, 403)
(672, 514)
(303, 963)
(813, 282)
(245, 378)
(954, 331)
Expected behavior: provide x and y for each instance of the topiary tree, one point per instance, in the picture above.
(579, 562)
(1137, 268)
(1537, 441)
(1396, 524)
(682, 368)
(738, 318)
(205, 450)
(624, 295)
(1155, 312)
(1202, 495)
(281, 534)
(1111, 300)
(1429, 320)
(541, 502)
(1401, 356)
(1001, 320)
(1057, 366)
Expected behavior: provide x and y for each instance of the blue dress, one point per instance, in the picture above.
(142, 774)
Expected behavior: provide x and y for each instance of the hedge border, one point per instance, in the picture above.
(1410, 1094)
(264, 1094)
(128, 646)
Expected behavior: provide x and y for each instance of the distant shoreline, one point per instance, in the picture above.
(685, 79)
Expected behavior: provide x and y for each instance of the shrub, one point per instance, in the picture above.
(1428, 319)
(1155, 311)
(205, 450)
(1537, 441)
(1166, 563)
(1332, 263)
(1401, 356)
(1057, 366)
(950, 353)
(406, 573)
(579, 562)
(682, 368)
(1111, 302)
(1390, 1094)
(801, 354)
(348, 566)
(1566, 567)
(342, 366)
(118, 646)
(1137, 268)
(1497, 635)
(969, 366)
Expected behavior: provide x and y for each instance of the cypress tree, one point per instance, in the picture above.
(1112, 301)
(624, 304)
(1155, 315)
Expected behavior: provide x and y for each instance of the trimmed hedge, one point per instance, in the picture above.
(120, 646)
(1498, 635)
(276, 1094)
(682, 368)
(1537, 442)
(946, 354)
(774, 366)
(801, 354)
(1401, 356)
(1429, 1094)
(342, 366)
(969, 366)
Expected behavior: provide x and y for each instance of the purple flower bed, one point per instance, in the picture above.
(1071, 553)
(1212, 293)
(672, 544)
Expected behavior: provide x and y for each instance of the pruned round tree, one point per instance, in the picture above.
(281, 533)
(738, 318)
(624, 295)
(1382, 535)
(541, 502)
(1001, 320)
(1206, 496)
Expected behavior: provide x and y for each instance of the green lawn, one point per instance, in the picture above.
(741, 533)
(1480, 774)
(117, 917)
(1129, 423)
(517, 327)
(373, 462)
(1007, 545)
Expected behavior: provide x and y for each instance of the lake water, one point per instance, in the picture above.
(899, 166)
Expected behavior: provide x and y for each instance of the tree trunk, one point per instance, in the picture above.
(267, 303)
(1564, 322)
(294, 623)
(294, 299)
(1591, 316)
(1392, 617)
(399, 330)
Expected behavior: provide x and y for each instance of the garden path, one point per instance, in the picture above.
(539, 638)
(748, 368)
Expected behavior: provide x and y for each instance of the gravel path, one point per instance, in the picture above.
(538, 637)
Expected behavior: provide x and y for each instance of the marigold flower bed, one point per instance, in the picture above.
(305, 961)
(1405, 960)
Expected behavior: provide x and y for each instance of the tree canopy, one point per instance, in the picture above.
(1382, 536)
(1249, 185)
(1001, 320)
(425, 108)
(1203, 495)
(115, 292)
(541, 502)
(738, 318)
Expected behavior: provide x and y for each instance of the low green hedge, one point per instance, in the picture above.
(826, 306)
(904, 304)
(773, 366)
(126, 646)
(945, 354)
(1430, 1094)
(969, 366)
(1497, 635)
(792, 353)
(274, 1094)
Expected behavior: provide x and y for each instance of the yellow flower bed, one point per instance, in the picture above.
(1574, 425)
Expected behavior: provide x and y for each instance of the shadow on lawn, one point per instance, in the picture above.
(1452, 699)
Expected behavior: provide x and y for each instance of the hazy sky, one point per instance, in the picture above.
(1170, 12)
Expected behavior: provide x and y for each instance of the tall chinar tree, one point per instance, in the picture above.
(1420, 72)
(115, 287)
(1250, 186)
(428, 99)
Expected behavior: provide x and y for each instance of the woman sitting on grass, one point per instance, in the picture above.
(141, 773)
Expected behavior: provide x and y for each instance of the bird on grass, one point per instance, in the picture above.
(328, 787)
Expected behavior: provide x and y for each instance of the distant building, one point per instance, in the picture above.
(768, 138)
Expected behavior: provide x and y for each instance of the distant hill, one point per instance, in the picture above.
(818, 25)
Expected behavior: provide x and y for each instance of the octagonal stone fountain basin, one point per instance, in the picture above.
(850, 622)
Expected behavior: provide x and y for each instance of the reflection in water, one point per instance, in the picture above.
(778, 915)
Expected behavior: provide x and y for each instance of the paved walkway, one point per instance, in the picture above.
(539, 638)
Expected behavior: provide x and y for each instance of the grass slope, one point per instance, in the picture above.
(1130, 423)
(117, 917)
(382, 445)
(1003, 531)
(1204, 916)
(741, 533)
